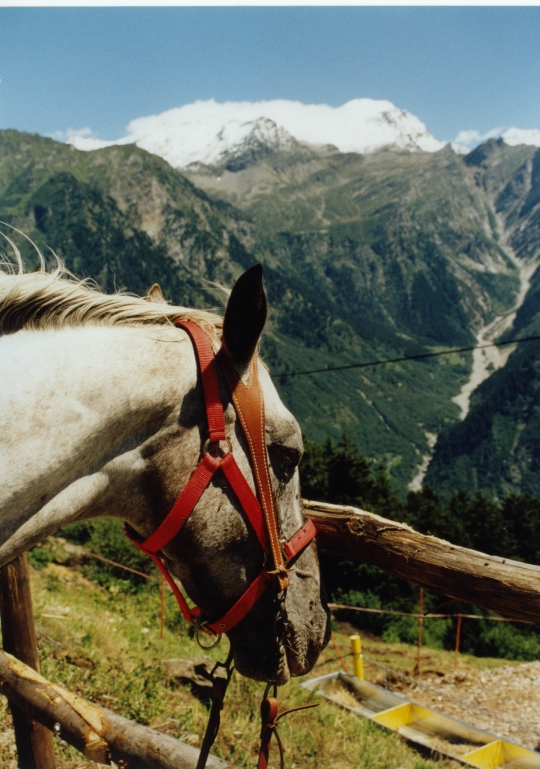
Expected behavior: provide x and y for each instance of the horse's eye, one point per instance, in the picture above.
(284, 460)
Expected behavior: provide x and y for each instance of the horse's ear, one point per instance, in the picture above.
(155, 294)
(245, 315)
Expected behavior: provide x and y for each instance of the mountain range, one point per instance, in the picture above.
(399, 251)
(206, 131)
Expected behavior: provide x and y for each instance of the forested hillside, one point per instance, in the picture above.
(510, 528)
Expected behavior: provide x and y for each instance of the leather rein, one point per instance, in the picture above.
(260, 510)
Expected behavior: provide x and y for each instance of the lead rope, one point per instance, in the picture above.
(219, 689)
(269, 726)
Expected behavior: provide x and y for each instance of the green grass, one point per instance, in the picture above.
(97, 647)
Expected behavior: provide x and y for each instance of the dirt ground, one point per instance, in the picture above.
(504, 701)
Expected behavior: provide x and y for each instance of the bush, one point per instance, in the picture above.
(338, 473)
(105, 536)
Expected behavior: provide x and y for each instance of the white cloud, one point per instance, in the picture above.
(88, 142)
(202, 131)
(466, 141)
(70, 133)
(205, 130)
(513, 136)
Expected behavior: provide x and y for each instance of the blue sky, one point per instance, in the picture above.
(456, 68)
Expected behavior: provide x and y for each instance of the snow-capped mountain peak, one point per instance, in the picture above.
(206, 131)
(263, 131)
(234, 140)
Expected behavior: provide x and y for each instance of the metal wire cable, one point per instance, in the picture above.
(279, 375)
(429, 614)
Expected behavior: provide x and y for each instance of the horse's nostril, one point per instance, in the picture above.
(305, 574)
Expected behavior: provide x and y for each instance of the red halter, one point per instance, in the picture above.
(249, 405)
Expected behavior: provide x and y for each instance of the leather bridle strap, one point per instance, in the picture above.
(249, 405)
(210, 381)
(219, 689)
(269, 726)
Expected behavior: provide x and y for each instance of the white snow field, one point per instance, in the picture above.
(205, 131)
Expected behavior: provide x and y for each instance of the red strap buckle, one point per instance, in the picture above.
(300, 540)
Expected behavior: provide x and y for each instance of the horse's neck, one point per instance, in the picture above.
(75, 407)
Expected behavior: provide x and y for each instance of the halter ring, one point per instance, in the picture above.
(212, 646)
(208, 442)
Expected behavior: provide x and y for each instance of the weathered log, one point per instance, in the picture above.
(34, 742)
(508, 587)
(98, 733)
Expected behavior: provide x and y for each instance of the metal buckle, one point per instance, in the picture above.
(208, 442)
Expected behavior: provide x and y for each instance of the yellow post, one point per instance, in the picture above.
(358, 662)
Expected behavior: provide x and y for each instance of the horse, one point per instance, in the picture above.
(102, 413)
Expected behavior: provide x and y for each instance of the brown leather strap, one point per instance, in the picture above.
(269, 715)
(269, 727)
(249, 404)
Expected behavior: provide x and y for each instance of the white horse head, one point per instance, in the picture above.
(102, 414)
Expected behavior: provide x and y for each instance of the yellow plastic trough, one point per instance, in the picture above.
(417, 724)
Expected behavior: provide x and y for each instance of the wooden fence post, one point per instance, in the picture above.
(420, 627)
(458, 637)
(34, 742)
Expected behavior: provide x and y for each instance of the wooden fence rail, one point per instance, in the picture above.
(41, 708)
(508, 587)
(97, 732)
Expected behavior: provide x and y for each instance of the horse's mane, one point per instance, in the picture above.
(53, 300)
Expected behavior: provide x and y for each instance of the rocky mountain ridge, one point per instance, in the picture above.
(496, 185)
